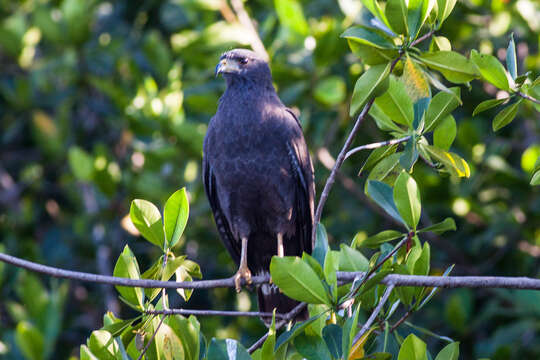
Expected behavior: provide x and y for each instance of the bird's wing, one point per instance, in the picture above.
(303, 170)
(209, 180)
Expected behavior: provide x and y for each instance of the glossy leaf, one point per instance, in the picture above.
(349, 331)
(506, 115)
(407, 199)
(445, 133)
(418, 11)
(368, 37)
(147, 219)
(30, 340)
(175, 216)
(453, 163)
(291, 16)
(377, 155)
(449, 352)
(352, 260)
(409, 155)
(372, 82)
(412, 349)
(396, 103)
(187, 330)
(511, 61)
(227, 349)
(535, 180)
(312, 347)
(333, 335)
(396, 13)
(491, 69)
(296, 330)
(321, 244)
(297, 280)
(382, 194)
(444, 7)
(127, 267)
(376, 240)
(454, 66)
(442, 105)
(488, 104)
(447, 224)
(415, 81)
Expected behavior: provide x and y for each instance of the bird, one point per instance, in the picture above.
(258, 176)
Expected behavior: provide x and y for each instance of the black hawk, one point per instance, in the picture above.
(258, 175)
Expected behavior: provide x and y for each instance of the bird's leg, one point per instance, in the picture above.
(243, 270)
(280, 249)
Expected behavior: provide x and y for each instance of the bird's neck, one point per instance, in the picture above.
(247, 93)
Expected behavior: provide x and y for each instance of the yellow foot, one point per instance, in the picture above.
(242, 273)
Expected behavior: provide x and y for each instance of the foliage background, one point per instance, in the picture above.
(103, 102)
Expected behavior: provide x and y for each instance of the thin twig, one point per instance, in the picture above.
(423, 37)
(374, 314)
(214, 313)
(288, 317)
(339, 161)
(525, 96)
(151, 339)
(344, 277)
(245, 20)
(400, 321)
(376, 145)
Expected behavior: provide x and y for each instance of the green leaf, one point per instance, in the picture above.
(535, 180)
(296, 330)
(375, 9)
(409, 154)
(506, 115)
(371, 55)
(396, 103)
(386, 170)
(291, 16)
(377, 155)
(511, 61)
(81, 163)
(407, 199)
(442, 105)
(445, 133)
(127, 267)
(449, 352)
(102, 345)
(331, 265)
(30, 340)
(86, 354)
(366, 36)
(453, 163)
(396, 13)
(376, 240)
(352, 260)
(421, 266)
(147, 219)
(187, 331)
(227, 349)
(412, 349)
(370, 84)
(382, 195)
(439, 228)
(383, 121)
(311, 347)
(175, 216)
(418, 11)
(330, 91)
(440, 43)
(333, 336)
(298, 280)
(444, 7)
(314, 264)
(488, 104)
(321, 244)
(454, 66)
(491, 69)
(349, 331)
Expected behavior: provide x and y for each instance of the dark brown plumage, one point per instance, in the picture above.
(257, 174)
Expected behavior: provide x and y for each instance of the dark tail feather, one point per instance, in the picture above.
(270, 298)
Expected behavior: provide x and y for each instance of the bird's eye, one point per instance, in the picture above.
(243, 61)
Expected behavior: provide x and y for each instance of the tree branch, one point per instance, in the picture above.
(376, 145)
(344, 277)
(214, 313)
(374, 314)
(525, 96)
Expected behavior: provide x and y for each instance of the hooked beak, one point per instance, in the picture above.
(226, 66)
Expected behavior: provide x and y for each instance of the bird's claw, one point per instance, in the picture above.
(242, 273)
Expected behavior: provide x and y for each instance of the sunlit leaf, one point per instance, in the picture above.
(453, 163)
(383, 196)
(396, 13)
(506, 115)
(412, 349)
(127, 267)
(511, 61)
(396, 103)
(370, 84)
(147, 219)
(175, 216)
(376, 240)
(407, 199)
(445, 133)
(291, 16)
(449, 352)
(227, 349)
(439, 228)
(454, 66)
(488, 104)
(442, 105)
(491, 69)
(415, 81)
(368, 37)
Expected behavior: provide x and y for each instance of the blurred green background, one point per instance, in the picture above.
(102, 102)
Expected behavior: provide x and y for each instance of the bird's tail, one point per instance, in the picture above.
(270, 298)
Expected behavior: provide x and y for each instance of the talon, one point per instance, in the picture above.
(242, 273)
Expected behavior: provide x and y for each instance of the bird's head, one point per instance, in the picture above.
(243, 64)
